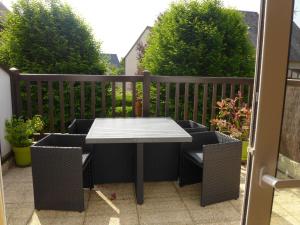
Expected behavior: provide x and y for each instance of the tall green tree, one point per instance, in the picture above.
(46, 36)
(199, 38)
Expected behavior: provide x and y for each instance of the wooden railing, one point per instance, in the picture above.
(63, 97)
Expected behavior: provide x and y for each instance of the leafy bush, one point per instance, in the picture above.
(199, 38)
(19, 131)
(42, 36)
(233, 119)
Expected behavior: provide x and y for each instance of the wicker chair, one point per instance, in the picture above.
(58, 164)
(191, 126)
(122, 155)
(80, 126)
(214, 159)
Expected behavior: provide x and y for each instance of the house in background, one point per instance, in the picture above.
(112, 59)
(3, 12)
(131, 58)
(251, 19)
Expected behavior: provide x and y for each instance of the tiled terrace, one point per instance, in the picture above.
(165, 203)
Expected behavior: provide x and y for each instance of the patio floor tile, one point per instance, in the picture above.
(221, 212)
(117, 207)
(165, 204)
(165, 217)
(110, 219)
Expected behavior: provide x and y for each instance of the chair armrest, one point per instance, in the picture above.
(223, 138)
(200, 139)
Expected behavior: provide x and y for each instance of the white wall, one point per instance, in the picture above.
(5, 110)
(131, 61)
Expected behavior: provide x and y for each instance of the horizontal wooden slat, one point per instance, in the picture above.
(136, 78)
(80, 77)
(195, 79)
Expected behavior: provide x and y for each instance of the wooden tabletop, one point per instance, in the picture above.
(136, 130)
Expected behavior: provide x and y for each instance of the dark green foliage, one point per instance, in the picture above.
(199, 38)
(19, 131)
(45, 36)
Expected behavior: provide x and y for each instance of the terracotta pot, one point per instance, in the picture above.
(138, 108)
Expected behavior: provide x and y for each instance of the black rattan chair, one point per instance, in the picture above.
(191, 126)
(80, 126)
(59, 162)
(214, 159)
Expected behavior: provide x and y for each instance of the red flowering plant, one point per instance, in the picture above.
(233, 118)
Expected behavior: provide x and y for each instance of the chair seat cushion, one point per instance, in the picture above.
(196, 156)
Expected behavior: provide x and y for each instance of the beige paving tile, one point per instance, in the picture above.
(221, 223)
(165, 217)
(54, 214)
(237, 204)
(22, 212)
(160, 190)
(279, 210)
(161, 205)
(68, 221)
(285, 196)
(37, 220)
(17, 221)
(286, 220)
(115, 207)
(123, 191)
(18, 174)
(14, 196)
(221, 212)
(129, 219)
(290, 208)
(10, 208)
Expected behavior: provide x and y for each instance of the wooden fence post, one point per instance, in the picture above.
(15, 91)
(146, 93)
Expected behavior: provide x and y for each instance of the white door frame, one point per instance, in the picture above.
(271, 73)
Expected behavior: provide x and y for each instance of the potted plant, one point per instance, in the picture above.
(19, 133)
(233, 118)
(139, 102)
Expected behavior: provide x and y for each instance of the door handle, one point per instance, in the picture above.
(268, 180)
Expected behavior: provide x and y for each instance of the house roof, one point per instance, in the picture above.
(251, 18)
(3, 11)
(112, 59)
(135, 43)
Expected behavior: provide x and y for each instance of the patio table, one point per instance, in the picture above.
(138, 131)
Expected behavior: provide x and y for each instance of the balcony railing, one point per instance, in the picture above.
(63, 97)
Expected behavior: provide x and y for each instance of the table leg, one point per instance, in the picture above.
(139, 186)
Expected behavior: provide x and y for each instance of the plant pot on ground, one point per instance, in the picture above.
(19, 133)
